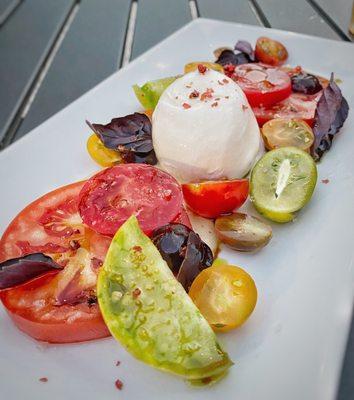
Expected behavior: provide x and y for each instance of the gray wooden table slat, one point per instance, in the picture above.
(296, 16)
(157, 19)
(339, 11)
(228, 10)
(6, 8)
(25, 40)
(90, 52)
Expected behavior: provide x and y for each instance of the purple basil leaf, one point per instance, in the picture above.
(331, 112)
(229, 57)
(198, 256)
(128, 135)
(23, 269)
(246, 48)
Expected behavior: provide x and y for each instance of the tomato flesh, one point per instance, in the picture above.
(262, 85)
(110, 197)
(30, 306)
(213, 198)
(56, 308)
(226, 295)
(297, 106)
(269, 51)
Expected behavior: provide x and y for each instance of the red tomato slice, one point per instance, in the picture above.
(56, 308)
(213, 198)
(182, 218)
(298, 105)
(31, 308)
(110, 197)
(262, 85)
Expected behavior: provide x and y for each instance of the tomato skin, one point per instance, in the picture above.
(213, 198)
(271, 52)
(262, 85)
(226, 295)
(59, 328)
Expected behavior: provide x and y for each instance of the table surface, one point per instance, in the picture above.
(53, 51)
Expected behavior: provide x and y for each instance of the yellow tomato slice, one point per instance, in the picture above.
(194, 65)
(103, 156)
(226, 296)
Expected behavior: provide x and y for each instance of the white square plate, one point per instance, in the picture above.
(292, 347)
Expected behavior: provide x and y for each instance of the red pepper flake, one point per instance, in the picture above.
(136, 293)
(215, 104)
(225, 81)
(74, 244)
(202, 68)
(220, 83)
(96, 263)
(229, 69)
(119, 384)
(117, 363)
(44, 379)
(325, 181)
(186, 106)
(244, 107)
(194, 94)
(137, 248)
(208, 94)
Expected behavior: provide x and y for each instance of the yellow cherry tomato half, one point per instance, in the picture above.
(103, 156)
(194, 65)
(284, 132)
(226, 296)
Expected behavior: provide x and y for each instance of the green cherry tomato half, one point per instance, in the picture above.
(282, 182)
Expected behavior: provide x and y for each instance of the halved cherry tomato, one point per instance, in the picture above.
(263, 85)
(298, 105)
(213, 198)
(101, 154)
(226, 295)
(110, 197)
(57, 308)
(269, 51)
(284, 132)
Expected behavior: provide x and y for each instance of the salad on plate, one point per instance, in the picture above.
(132, 251)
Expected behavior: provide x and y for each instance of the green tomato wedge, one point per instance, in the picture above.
(151, 91)
(147, 310)
(282, 182)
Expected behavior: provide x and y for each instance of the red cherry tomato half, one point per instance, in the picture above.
(297, 106)
(262, 85)
(213, 198)
(110, 197)
(56, 308)
(269, 51)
